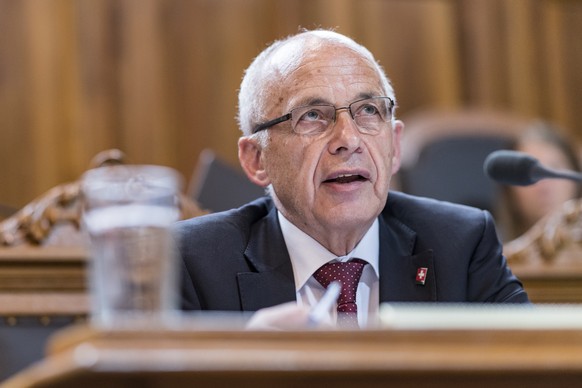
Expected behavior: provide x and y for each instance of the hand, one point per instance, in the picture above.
(286, 316)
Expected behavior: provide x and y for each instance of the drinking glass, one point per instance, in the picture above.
(127, 212)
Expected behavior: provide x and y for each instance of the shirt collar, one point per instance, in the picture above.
(307, 255)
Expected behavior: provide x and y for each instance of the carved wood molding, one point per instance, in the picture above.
(54, 217)
(555, 238)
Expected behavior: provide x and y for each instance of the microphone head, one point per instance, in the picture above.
(512, 168)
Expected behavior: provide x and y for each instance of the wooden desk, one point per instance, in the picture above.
(191, 356)
(551, 282)
(42, 290)
(555, 280)
(43, 281)
(48, 282)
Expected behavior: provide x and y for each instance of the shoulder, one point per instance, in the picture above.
(406, 205)
(223, 225)
(420, 213)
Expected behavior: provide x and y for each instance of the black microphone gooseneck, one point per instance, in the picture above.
(520, 169)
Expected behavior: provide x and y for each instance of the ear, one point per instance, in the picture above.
(398, 127)
(250, 157)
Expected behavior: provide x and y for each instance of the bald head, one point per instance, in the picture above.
(262, 84)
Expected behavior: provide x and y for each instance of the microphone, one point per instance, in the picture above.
(520, 169)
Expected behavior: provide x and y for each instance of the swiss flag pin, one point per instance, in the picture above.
(421, 275)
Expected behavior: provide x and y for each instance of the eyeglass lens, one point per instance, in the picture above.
(369, 114)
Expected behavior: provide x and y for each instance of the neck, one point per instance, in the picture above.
(339, 240)
(342, 243)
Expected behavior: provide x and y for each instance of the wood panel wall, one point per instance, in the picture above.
(159, 78)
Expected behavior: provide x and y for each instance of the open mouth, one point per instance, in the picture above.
(346, 178)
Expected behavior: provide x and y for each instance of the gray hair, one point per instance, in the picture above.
(264, 73)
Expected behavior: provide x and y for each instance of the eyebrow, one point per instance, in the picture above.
(363, 95)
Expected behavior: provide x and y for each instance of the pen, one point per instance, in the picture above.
(322, 307)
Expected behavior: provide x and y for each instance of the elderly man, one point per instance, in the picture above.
(317, 115)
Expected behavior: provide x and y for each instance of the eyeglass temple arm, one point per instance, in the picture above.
(269, 124)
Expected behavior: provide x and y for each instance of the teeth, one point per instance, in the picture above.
(345, 175)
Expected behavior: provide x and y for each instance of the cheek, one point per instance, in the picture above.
(287, 160)
(386, 162)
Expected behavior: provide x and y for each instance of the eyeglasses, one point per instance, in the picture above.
(369, 114)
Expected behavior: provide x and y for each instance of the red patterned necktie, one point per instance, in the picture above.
(348, 274)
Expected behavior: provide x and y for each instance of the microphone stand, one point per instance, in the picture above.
(539, 172)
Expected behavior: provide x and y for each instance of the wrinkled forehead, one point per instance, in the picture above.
(300, 51)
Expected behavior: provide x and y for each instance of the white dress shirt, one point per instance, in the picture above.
(307, 255)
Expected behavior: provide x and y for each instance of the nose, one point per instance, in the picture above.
(345, 134)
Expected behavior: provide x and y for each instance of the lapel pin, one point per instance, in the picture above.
(421, 275)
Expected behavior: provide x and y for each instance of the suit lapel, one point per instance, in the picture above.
(273, 281)
(399, 266)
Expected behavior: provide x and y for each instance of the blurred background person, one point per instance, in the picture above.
(523, 206)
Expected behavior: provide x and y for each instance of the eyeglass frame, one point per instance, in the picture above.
(288, 116)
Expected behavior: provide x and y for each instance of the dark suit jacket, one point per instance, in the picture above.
(237, 260)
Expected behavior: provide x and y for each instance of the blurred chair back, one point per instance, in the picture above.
(443, 154)
(218, 186)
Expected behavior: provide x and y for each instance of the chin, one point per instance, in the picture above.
(353, 215)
